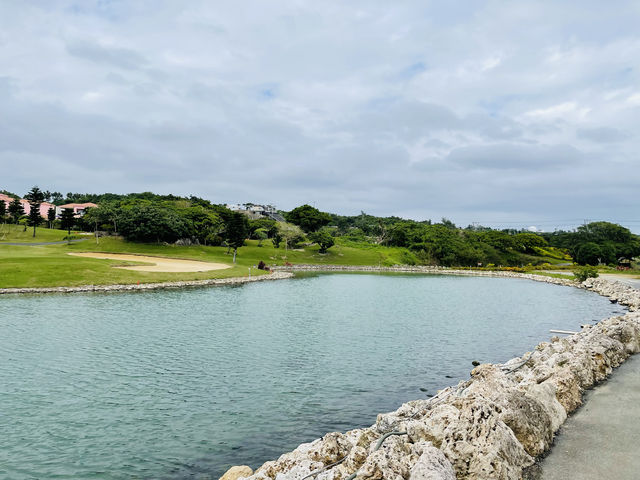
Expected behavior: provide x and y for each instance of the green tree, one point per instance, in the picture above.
(144, 222)
(276, 239)
(261, 235)
(500, 240)
(527, 242)
(51, 216)
(16, 210)
(56, 197)
(291, 234)
(35, 198)
(67, 219)
(323, 238)
(448, 223)
(588, 253)
(237, 231)
(268, 225)
(107, 213)
(308, 218)
(3, 210)
(203, 224)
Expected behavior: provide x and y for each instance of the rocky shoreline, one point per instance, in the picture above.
(149, 286)
(492, 426)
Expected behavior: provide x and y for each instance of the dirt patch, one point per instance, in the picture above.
(157, 264)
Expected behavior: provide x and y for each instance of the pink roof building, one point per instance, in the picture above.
(44, 206)
(79, 209)
(6, 199)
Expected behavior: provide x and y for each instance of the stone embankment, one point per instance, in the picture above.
(492, 426)
(150, 286)
(423, 270)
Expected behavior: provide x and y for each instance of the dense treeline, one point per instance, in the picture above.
(597, 242)
(98, 198)
(147, 217)
(443, 243)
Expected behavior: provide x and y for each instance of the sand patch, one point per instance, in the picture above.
(157, 264)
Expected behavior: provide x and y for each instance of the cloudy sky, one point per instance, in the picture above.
(503, 113)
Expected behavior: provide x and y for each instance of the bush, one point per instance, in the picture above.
(583, 273)
(408, 258)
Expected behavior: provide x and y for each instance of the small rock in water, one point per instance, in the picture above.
(422, 389)
(448, 376)
(475, 363)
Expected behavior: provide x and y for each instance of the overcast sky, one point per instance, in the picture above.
(503, 113)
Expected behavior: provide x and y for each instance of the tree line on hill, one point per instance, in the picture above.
(147, 217)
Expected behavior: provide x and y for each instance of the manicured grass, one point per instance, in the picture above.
(50, 265)
(568, 276)
(16, 234)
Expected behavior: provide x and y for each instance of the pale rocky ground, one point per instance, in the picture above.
(492, 426)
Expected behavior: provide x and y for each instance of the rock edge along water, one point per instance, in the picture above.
(149, 286)
(492, 426)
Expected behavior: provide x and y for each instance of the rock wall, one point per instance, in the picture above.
(491, 426)
(150, 286)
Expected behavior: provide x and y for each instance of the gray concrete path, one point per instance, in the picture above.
(602, 439)
(631, 281)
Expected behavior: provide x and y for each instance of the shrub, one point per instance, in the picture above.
(408, 258)
(583, 273)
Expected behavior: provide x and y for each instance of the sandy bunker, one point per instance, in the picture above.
(158, 264)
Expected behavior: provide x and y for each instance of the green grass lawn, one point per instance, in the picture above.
(568, 276)
(16, 234)
(50, 265)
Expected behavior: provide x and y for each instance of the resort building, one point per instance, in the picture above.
(44, 206)
(255, 212)
(79, 209)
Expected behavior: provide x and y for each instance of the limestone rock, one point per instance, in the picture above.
(240, 471)
(480, 445)
(392, 461)
(431, 465)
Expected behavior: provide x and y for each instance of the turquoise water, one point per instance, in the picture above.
(184, 383)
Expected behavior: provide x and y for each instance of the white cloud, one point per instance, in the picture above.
(634, 99)
(562, 110)
(355, 106)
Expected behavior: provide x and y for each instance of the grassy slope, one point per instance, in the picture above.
(16, 234)
(50, 265)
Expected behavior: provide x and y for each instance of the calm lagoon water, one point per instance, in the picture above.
(184, 383)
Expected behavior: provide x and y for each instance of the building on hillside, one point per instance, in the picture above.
(256, 212)
(44, 206)
(79, 209)
(6, 199)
